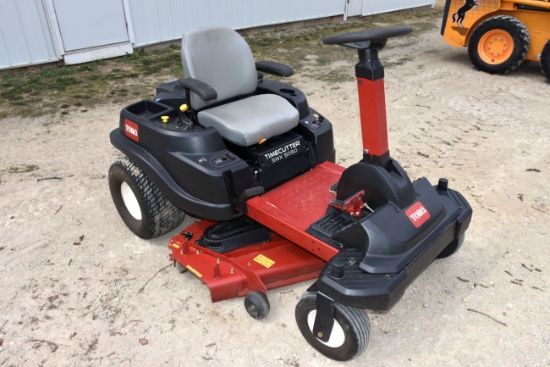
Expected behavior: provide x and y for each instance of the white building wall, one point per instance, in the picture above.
(378, 6)
(31, 35)
(158, 21)
(25, 37)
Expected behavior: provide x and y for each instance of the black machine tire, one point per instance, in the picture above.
(141, 205)
(350, 333)
(545, 60)
(453, 247)
(503, 29)
(256, 304)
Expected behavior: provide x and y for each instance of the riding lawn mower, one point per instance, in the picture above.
(250, 158)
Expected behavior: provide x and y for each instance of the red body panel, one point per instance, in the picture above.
(291, 208)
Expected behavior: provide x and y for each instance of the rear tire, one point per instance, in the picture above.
(545, 60)
(350, 332)
(141, 205)
(499, 44)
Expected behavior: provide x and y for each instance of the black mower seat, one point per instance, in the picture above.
(221, 58)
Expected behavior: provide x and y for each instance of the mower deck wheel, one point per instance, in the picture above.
(545, 60)
(499, 44)
(350, 331)
(256, 304)
(141, 205)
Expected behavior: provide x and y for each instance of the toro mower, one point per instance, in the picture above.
(500, 34)
(251, 158)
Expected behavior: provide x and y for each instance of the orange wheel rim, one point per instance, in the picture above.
(495, 46)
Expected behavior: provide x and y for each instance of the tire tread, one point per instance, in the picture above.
(545, 60)
(356, 318)
(160, 216)
(519, 33)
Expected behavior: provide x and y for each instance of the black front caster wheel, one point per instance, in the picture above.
(350, 331)
(256, 305)
(452, 248)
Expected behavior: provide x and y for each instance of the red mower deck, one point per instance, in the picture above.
(263, 266)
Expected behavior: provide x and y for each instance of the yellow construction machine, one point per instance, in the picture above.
(500, 34)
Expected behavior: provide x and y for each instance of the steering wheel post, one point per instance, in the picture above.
(369, 72)
(370, 67)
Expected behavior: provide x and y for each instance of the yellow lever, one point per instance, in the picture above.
(165, 119)
(184, 107)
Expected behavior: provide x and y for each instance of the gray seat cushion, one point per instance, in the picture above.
(221, 58)
(250, 120)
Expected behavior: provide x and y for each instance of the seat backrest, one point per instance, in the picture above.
(221, 58)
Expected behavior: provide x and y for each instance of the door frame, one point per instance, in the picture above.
(93, 53)
(354, 8)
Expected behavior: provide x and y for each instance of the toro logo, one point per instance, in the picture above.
(418, 214)
(131, 130)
